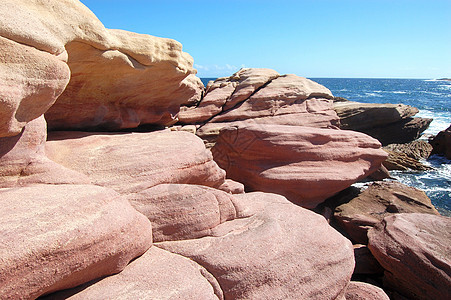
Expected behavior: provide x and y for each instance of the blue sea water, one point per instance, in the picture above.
(432, 98)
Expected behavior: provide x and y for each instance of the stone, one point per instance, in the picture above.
(157, 274)
(259, 255)
(442, 143)
(417, 149)
(23, 160)
(183, 211)
(402, 162)
(232, 186)
(55, 237)
(379, 200)
(30, 82)
(365, 263)
(364, 291)
(306, 165)
(414, 249)
(133, 162)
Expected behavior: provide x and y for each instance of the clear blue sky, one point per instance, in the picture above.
(311, 38)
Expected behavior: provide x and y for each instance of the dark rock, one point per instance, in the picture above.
(402, 162)
(442, 143)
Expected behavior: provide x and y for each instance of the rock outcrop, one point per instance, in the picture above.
(379, 200)
(414, 250)
(364, 291)
(442, 143)
(307, 165)
(59, 236)
(389, 123)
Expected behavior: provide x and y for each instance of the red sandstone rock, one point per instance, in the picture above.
(273, 250)
(183, 211)
(232, 187)
(157, 274)
(379, 200)
(132, 162)
(414, 249)
(364, 291)
(365, 263)
(23, 160)
(59, 236)
(442, 143)
(307, 165)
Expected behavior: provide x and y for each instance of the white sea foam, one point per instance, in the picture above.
(399, 92)
(440, 122)
(373, 95)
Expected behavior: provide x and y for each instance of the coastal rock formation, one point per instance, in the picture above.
(417, 149)
(59, 236)
(379, 200)
(407, 156)
(148, 77)
(364, 291)
(414, 250)
(365, 263)
(442, 143)
(157, 274)
(258, 255)
(307, 165)
(389, 123)
(132, 162)
(23, 160)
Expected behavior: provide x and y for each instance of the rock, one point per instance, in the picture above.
(306, 165)
(133, 162)
(414, 249)
(55, 237)
(442, 143)
(30, 82)
(379, 200)
(183, 211)
(402, 162)
(157, 274)
(364, 291)
(380, 174)
(365, 263)
(148, 77)
(389, 123)
(260, 256)
(231, 186)
(417, 149)
(23, 160)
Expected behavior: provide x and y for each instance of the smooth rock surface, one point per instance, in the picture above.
(307, 165)
(157, 274)
(23, 160)
(132, 162)
(414, 249)
(273, 250)
(379, 200)
(364, 291)
(55, 237)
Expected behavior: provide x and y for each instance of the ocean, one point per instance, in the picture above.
(432, 98)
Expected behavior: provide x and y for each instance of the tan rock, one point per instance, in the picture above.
(30, 82)
(364, 291)
(157, 274)
(379, 200)
(402, 162)
(414, 249)
(132, 162)
(23, 160)
(273, 250)
(59, 236)
(307, 165)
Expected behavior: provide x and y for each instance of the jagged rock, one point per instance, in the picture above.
(157, 274)
(417, 149)
(260, 256)
(442, 143)
(379, 200)
(307, 165)
(402, 162)
(364, 291)
(414, 250)
(55, 237)
(23, 160)
(389, 123)
(132, 162)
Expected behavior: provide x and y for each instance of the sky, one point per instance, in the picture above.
(311, 38)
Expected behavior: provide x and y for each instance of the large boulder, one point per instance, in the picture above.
(157, 274)
(307, 165)
(364, 291)
(132, 162)
(148, 77)
(59, 236)
(23, 160)
(441, 143)
(414, 250)
(379, 200)
(272, 250)
(389, 123)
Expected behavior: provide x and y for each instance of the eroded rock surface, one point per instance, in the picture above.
(442, 143)
(307, 165)
(364, 291)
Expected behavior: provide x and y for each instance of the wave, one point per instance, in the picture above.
(399, 92)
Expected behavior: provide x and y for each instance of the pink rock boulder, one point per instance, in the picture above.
(364, 291)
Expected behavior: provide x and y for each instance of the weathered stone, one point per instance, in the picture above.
(379, 200)
(414, 249)
(417, 149)
(307, 165)
(364, 291)
(365, 263)
(442, 143)
(55, 237)
(402, 162)
(259, 255)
